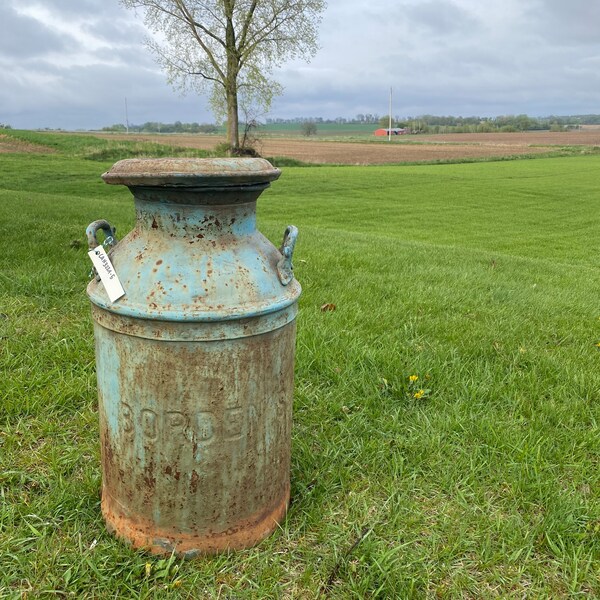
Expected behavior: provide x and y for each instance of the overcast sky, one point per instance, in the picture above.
(72, 63)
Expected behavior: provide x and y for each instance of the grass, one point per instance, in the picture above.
(88, 147)
(479, 279)
(98, 149)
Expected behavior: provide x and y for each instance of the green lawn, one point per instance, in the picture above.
(479, 479)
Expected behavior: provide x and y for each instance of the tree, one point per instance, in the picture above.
(308, 128)
(385, 121)
(229, 47)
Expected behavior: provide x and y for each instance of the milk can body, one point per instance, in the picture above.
(195, 364)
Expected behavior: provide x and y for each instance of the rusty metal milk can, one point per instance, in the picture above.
(195, 363)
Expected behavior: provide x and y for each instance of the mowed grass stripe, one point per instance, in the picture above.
(536, 208)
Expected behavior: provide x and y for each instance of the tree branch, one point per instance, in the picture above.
(189, 18)
(192, 25)
(180, 65)
(246, 25)
(278, 19)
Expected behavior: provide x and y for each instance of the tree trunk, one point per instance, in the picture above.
(233, 69)
(233, 133)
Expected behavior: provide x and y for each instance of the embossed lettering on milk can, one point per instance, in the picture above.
(195, 363)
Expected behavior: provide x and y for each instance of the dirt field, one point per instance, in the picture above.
(585, 137)
(420, 148)
(401, 149)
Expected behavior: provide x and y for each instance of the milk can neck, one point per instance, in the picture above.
(195, 221)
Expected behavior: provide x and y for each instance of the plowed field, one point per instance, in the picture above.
(420, 148)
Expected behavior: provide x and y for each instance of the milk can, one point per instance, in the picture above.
(195, 363)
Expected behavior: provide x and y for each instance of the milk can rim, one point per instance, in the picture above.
(195, 172)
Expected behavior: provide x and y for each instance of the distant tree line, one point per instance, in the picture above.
(155, 127)
(360, 118)
(451, 124)
(418, 124)
(503, 123)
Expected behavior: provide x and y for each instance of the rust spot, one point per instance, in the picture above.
(200, 236)
(149, 478)
(195, 479)
(159, 261)
(108, 452)
(154, 224)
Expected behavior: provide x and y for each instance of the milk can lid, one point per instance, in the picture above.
(191, 172)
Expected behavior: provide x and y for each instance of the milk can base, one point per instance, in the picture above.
(145, 536)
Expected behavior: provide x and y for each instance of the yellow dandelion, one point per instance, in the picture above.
(413, 378)
(418, 395)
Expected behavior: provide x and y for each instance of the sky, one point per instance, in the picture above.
(75, 64)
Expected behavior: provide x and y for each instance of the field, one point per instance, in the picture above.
(402, 149)
(11, 144)
(446, 415)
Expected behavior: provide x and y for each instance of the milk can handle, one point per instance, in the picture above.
(109, 230)
(285, 268)
(110, 239)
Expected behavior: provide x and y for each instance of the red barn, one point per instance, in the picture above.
(394, 131)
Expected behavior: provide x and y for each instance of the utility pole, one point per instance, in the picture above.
(126, 116)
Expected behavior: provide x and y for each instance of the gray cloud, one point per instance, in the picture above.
(441, 18)
(81, 8)
(573, 23)
(22, 37)
(74, 68)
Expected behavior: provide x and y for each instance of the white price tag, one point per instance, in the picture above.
(107, 273)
